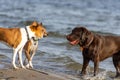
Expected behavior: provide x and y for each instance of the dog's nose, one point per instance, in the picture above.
(45, 35)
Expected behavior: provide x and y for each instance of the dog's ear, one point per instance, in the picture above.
(35, 23)
(41, 24)
(89, 38)
(86, 36)
(88, 33)
(83, 32)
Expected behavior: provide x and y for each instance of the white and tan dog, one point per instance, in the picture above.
(17, 38)
(31, 47)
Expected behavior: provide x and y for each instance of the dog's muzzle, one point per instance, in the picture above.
(45, 35)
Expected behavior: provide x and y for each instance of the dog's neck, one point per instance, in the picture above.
(87, 45)
(28, 38)
(90, 42)
(29, 33)
(34, 41)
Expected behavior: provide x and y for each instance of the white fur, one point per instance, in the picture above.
(31, 34)
(14, 57)
(21, 45)
(20, 48)
(29, 65)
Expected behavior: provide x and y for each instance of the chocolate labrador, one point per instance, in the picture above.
(96, 48)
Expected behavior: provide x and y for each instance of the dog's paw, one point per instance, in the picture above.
(27, 66)
(30, 64)
(16, 68)
(23, 67)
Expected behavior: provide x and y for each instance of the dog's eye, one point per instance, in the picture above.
(78, 35)
(42, 30)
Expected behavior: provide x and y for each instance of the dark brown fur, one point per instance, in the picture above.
(96, 48)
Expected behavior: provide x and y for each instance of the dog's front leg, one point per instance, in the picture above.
(27, 53)
(84, 67)
(30, 62)
(20, 58)
(96, 65)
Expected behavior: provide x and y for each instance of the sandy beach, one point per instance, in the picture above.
(21, 74)
(25, 74)
(8, 73)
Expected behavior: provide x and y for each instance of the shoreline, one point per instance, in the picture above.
(24, 74)
(31, 74)
(8, 73)
(27, 74)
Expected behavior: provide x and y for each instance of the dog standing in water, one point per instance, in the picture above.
(96, 48)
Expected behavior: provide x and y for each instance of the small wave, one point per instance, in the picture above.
(103, 33)
(56, 34)
(64, 59)
(100, 76)
(28, 22)
(9, 16)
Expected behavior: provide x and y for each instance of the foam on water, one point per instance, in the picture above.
(100, 76)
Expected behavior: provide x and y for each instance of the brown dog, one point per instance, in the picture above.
(96, 48)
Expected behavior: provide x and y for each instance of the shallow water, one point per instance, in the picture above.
(59, 18)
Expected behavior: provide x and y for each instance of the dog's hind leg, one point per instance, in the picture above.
(20, 57)
(14, 58)
(116, 62)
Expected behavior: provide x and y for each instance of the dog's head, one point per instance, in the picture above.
(81, 36)
(38, 29)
